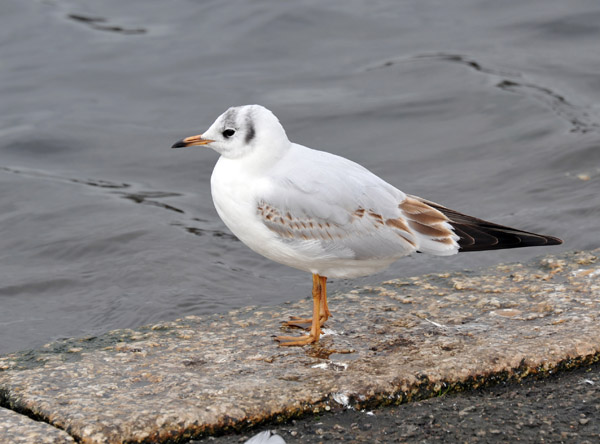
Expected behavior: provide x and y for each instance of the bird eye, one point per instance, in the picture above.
(228, 133)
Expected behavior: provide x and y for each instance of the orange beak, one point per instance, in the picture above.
(191, 141)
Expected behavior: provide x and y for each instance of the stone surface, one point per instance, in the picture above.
(19, 429)
(562, 408)
(407, 339)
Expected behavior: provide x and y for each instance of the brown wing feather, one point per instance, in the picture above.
(478, 234)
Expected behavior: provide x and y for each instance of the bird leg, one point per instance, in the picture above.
(324, 313)
(324, 307)
(315, 330)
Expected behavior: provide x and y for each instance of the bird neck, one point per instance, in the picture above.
(263, 157)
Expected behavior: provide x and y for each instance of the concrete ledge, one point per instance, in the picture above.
(19, 429)
(407, 339)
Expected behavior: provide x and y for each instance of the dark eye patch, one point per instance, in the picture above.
(250, 132)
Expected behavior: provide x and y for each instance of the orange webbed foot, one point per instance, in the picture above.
(289, 341)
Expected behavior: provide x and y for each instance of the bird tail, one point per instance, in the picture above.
(478, 234)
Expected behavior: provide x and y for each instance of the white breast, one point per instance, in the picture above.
(233, 195)
(234, 192)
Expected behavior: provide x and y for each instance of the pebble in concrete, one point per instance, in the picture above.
(406, 339)
(19, 429)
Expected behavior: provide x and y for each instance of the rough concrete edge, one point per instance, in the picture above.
(7, 403)
(425, 389)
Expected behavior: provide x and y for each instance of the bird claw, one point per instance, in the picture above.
(288, 341)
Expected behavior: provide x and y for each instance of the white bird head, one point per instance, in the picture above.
(240, 131)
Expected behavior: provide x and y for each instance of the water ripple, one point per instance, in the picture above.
(100, 24)
(578, 116)
(143, 197)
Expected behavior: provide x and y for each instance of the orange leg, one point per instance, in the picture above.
(324, 312)
(324, 307)
(315, 330)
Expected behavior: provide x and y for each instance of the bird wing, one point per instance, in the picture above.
(330, 203)
(339, 208)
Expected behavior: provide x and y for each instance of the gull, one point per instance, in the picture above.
(327, 215)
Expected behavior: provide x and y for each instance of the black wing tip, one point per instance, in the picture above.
(476, 239)
(551, 240)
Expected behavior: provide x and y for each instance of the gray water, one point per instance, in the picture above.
(488, 107)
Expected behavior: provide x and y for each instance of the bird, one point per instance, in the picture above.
(325, 214)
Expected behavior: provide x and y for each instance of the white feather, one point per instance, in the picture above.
(266, 437)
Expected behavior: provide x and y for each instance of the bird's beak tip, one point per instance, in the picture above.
(179, 144)
(191, 141)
